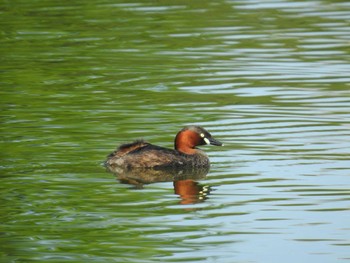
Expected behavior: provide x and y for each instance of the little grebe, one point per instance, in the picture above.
(144, 154)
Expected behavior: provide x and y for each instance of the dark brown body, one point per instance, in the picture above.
(143, 154)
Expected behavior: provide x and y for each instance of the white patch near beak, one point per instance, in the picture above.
(202, 135)
(206, 140)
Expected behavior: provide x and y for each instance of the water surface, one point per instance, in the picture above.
(269, 79)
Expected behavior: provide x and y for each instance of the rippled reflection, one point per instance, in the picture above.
(184, 180)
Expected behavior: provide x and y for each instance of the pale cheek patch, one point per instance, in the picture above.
(206, 140)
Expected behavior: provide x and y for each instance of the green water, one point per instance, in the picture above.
(269, 79)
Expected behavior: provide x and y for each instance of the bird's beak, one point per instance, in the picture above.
(212, 141)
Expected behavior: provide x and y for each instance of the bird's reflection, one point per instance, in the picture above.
(184, 181)
(191, 192)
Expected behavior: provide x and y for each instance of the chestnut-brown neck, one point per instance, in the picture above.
(186, 141)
